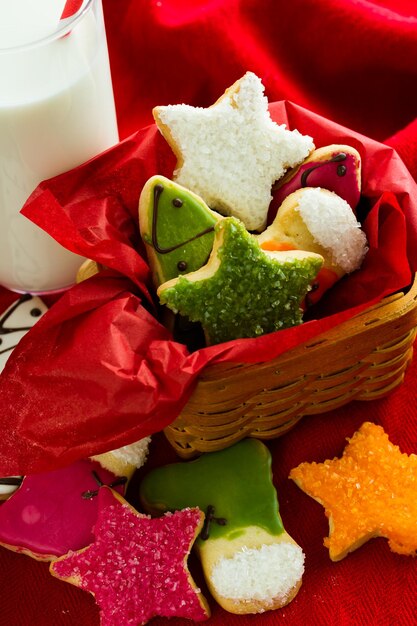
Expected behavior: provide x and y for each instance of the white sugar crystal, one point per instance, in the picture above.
(233, 152)
(333, 225)
(269, 572)
(134, 453)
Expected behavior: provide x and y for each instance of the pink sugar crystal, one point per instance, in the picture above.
(136, 568)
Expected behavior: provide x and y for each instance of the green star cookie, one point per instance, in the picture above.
(243, 291)
(177, 227)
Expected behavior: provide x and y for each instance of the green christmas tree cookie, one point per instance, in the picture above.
(177, 228)
(250, 562)
(243, 291)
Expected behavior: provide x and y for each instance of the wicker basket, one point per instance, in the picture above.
(362, 359)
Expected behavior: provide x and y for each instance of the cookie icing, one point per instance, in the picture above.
(54, 512)
(177, 228)
(338, 173)
(233, 487)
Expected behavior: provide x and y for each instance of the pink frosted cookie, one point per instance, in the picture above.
(54, 512)
(136, 568)
(335, 167)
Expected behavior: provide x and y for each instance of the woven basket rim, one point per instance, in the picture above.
(363, 358)
(383, 313)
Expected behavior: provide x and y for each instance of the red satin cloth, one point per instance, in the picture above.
(353, 62)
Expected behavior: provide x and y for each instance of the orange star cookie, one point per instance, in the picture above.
(369, 492)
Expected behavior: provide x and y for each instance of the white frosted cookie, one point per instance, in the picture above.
(320, 221)
(254, 572)
(232, 152)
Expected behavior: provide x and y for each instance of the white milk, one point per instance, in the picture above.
(56, 111)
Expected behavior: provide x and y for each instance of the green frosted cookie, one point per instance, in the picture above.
(243, 291)
(250, 562)
(243, 470)
(177, 228)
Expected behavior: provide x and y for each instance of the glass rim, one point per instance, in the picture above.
(67, 25)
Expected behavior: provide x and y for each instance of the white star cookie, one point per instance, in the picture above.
(232, 152)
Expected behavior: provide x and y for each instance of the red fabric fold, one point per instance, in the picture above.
(352, 61)
(100, 220)
(115, 372)
(404, 141)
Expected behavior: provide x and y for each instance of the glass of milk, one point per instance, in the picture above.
(56, 111)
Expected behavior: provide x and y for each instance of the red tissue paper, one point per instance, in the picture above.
(99, 371)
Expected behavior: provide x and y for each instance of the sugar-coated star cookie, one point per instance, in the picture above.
(177, 228)
(232, 152)
(250, 562)
(137, 566)
(369, 492)
(243, 291)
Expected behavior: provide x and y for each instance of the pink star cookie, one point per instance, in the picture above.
(54, 512)
(136, 568)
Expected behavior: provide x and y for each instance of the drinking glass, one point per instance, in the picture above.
(56, 111)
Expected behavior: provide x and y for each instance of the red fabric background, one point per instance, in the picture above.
(353, 61)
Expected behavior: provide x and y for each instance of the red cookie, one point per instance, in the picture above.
(335, 167)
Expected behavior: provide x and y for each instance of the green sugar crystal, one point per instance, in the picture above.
(251, 293)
